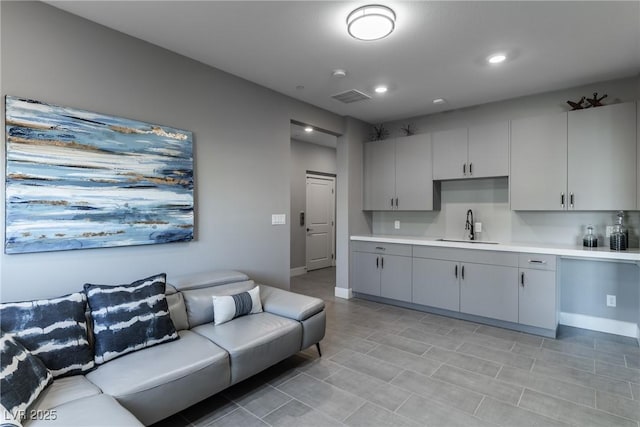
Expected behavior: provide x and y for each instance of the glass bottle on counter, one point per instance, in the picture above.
(619, 238)
(590, 240)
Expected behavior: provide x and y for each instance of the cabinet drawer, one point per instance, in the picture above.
(537, 261)
(382, 248)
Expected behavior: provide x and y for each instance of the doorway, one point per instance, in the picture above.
(320, 221)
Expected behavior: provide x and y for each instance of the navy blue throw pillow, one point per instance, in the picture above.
(54, 330)
(127, 318)
(22, 377)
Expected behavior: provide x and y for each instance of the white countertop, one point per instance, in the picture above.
(602, 252)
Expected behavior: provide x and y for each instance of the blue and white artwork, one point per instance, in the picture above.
(76, 179)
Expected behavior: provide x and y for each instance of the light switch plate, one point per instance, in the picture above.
(396, 225)
(278, 219)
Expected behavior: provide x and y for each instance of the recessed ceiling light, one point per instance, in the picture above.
(371, 22)
(339, 73)
(496, 58)
(439, 101)
(308, 129)
(381, 89)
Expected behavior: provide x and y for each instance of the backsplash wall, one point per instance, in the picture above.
(489, 200)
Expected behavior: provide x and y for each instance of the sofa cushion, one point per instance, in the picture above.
(99, 410)
(254, 342)
(289, 304)
(198, 301)
(177, 308)
(207, 279)
(64, 390)
(22, 376)
(54, 329)
(186, 371)
(229, 307)
(128, 318)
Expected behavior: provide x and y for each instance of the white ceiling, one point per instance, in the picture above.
(437, 50)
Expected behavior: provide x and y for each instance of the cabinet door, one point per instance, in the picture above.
(450, 153)
(414, 179)
(638, 152)
(602, 157)
(366, 273)
(489, 291)
(489, 150)
(436, 284)
(395, 277)
(538, 175)
(379, 175)
(537, 298)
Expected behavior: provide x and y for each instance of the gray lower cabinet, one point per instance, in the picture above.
(489, 291)
(366, 273)
(537, 298)
(382, 270)
(436, 283)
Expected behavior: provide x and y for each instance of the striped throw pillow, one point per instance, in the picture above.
(229, 307)
(22, 378)
(54, 330)
(128, 318)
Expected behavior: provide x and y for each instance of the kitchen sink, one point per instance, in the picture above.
(486, 242)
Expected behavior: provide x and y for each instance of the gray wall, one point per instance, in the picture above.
(586, 284)
(305, 157)
(241, 144)
(350, 219)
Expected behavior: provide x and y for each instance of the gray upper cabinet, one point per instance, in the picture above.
(474, 152)
(379, 175)
(602, 158)
(398, 174)
(414, 180)
(450, 152)
(538, 177)
(638, 152)
(489, 150)
(582, 160)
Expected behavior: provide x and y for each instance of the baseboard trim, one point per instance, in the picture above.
(600, 324)
(298, 271)
(344, 293)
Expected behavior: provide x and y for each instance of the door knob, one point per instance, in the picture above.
(308, 229)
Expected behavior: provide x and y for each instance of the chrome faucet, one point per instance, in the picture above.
(469, 225)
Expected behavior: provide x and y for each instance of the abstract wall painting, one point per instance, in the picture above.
(77, 179)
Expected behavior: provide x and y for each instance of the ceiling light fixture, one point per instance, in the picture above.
(308, 129)
(439, 101)
(496, 58)
(381, 89)
(339, 73)
(371, 22)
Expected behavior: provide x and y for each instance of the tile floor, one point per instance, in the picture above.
(389, 366)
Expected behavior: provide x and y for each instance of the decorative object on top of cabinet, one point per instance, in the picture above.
(408, 130)
(595, 101)
(379, 133)
(577, 105)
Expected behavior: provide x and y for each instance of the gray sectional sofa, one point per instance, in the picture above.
(148, 385)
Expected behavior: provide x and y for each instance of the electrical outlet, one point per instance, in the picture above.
(611, 300)
(609, 230)
(396, 225)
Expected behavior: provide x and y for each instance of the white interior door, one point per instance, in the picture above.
(320, 221)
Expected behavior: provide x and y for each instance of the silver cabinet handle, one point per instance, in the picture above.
(562, 200)
(381, 262)
(571, 199)
(377, 261)
(536, 261)
(522, 279)
(380, 248)
(470, 168)
(462, 275)
(464, 169)
(456, 271)
(396, 203)
(392, 203)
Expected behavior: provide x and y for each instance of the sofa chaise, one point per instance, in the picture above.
(150, 384)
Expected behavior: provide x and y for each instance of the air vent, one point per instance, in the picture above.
(350, 96)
